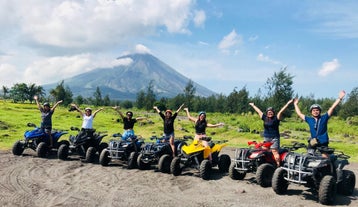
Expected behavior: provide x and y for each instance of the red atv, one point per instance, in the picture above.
(258, 159)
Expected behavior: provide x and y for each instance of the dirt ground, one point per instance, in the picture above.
(30, 181)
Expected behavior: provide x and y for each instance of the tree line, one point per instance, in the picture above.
(278, 91)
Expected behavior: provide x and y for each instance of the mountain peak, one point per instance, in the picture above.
(125, 81)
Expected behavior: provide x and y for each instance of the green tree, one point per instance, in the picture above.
(189, 93)
(106, 100)
(279, 89)
(19, 92)
(140, 102)
(79, 100)
(35, 90)
(350, 106)
(60, 92)
(98, 97)
(233, 101)
(149, 97)
(5, 91)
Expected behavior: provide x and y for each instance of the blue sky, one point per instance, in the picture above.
(221, 45)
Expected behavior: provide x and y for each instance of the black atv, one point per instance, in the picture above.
(122, 150)
(86, 144)
(324, 176)
(159, 153)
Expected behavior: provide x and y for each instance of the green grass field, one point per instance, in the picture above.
(14, 117)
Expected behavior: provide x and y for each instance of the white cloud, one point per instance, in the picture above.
(94, 24)
(264, 58)
(229, 41)
(49, 70)
(329, 67)
(142, 49)
(9, 75)
(199, 18)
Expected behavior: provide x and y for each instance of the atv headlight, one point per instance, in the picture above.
(314, 163)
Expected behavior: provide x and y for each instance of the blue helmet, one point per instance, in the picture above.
(202, 112)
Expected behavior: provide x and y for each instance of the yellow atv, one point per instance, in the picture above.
(196, 156)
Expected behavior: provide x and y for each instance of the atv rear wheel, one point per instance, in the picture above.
(18, 147)
(90, 154)
(224, 163)
(62, 152)
(164, 163)
(132, 160)
(142, 165)
(327, 190)
(234, 173)
(104, 158)
(264, 174)
(205, 169)
(279, 184)
(346, 186)
(175, 168)
(42, 149)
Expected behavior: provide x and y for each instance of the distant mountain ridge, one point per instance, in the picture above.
(125, 81)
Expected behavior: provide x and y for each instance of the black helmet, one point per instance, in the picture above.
(129, 113)
(315, 106)
(46, 104)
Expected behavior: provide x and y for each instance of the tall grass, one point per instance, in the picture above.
(238, 128)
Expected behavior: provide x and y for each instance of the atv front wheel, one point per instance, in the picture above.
(42, 149)
(205, 169)
(264, 174)
(327, 190)
(164, 163)
(234, 173)
(279, 184)
(346, 186)
(18, 147)
(102, 146)
(104, 158)
(175, 168)
(62, 152)
(132, 160)
(142, 165)
(90, 154)
(224, 163)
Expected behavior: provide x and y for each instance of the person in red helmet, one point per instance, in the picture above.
(271, 123)
(46, 117)
(318, 123)
(168, 121)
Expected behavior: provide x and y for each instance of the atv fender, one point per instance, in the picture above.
(207, 152)
(218, 147)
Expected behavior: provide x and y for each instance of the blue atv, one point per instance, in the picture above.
(38, 141)
(122, 150)
(86, 144)
(159, 153)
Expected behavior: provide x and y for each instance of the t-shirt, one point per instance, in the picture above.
(87, 122)
(271, 126)
(46, 117)
(318, 128)
(200, 126)
(168, 122)
(128, 123)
